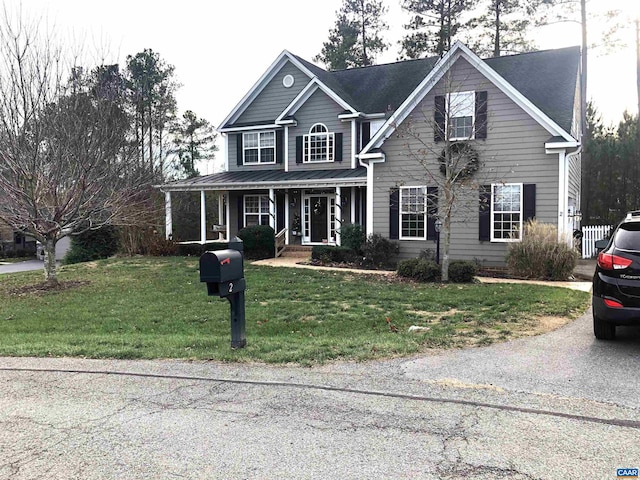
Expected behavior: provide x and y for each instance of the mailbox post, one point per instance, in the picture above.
(223, 271)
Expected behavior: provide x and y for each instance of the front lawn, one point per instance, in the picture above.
(157, 308)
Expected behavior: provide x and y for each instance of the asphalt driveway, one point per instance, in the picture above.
(560, 405)
(26, 266)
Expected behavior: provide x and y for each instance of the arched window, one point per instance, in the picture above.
(319, 144)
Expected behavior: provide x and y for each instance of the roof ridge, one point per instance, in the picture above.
(533, 52)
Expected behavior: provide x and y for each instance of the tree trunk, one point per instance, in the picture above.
(50, 273)
(496, 41)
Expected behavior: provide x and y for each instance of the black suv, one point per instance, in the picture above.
(616, 282)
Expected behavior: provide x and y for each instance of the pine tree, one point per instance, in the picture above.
(356, 38)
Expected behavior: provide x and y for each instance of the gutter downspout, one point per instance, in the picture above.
(368, 164)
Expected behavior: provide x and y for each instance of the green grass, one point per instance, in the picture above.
(157, 308)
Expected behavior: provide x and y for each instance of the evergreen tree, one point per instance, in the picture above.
(356, 38)
(433, 26)
(193, 139)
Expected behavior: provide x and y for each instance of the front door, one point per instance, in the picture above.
(319, 223)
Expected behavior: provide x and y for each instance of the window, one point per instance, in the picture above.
(256, 210)
(506, 212)
(319, 145)
(413, 213)
(259, 147)
(461, 115)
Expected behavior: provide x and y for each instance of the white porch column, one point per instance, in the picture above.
(369, 209)
(338, 215)
(168, 219)
(203, 218)
(286, 217)
(562, 195)
(272, 208)
(220, 208)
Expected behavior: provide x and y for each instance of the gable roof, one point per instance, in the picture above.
(542, 82)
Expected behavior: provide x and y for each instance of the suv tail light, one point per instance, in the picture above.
(607, 261)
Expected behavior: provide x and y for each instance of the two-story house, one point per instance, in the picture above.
(308, 151)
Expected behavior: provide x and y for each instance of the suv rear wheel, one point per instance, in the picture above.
(603, 330)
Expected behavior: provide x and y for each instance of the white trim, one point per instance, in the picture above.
(350, 116)
(286, 218)
(552, 147)
(492, 235)
(221, 209)
(228, 217)
(307, 92)
(338, 215)
(272, 209)
(285, 139)
(269, 126)
(425, 214)
(460, 50)
(225, 142)
(299, 184)
(260, 213)
(352, 210)
(259, 148)
(305, 219)
(450, 114)
(354, 142)
(330, 139)
(262, 82)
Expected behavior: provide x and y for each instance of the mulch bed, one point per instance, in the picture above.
(45, 287)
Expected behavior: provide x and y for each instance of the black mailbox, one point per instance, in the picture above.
(221, 266)
(224, 273)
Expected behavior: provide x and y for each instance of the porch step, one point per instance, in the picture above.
(297, 251)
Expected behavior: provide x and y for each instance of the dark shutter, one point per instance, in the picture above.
(529, 201)
(299, 149)
(279, 146)
(394, 214)
(280, 206)
(338, 146)
(240, 212)
(439, 118)
(484, 216)
(366, 133)
(481, 115)
(432, 211)
(239, 149)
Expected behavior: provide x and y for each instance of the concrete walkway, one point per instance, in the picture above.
(294, 262)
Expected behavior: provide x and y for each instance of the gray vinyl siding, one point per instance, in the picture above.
(512, 153)
(320, 108)
(274, 98)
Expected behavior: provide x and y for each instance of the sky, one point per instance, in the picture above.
(221, 48)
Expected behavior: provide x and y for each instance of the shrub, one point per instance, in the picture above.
(419, 269)
(259, 241)
(333, 254)
(353, 237)
(379, 252)
(462, 271)
(93, 245)
(540, 255)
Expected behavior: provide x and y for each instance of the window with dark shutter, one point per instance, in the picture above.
(529, 201)
(299, 140)
(481, 115)
(432, 212)
(338, 147)
(239, 149)
(279, 146)
(394, 214)
(439, 118)
(484, 216)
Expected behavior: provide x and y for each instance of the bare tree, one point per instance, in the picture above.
(64, 163)
(449, 155)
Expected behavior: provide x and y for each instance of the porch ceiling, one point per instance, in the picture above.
(279, 179)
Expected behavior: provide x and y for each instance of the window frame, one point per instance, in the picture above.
(259, 147)
(495, 212)
(258, 214)
(402, 212)
(450, 117)
(329, 138)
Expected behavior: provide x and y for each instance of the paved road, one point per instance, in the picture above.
(556, 406)
(25, 266)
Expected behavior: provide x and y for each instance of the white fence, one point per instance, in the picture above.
(590, 235)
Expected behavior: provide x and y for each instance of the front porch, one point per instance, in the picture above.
(304, 208)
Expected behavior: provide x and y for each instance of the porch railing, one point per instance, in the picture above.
(280, 242)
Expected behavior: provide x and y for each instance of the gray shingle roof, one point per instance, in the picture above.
(242, 180)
